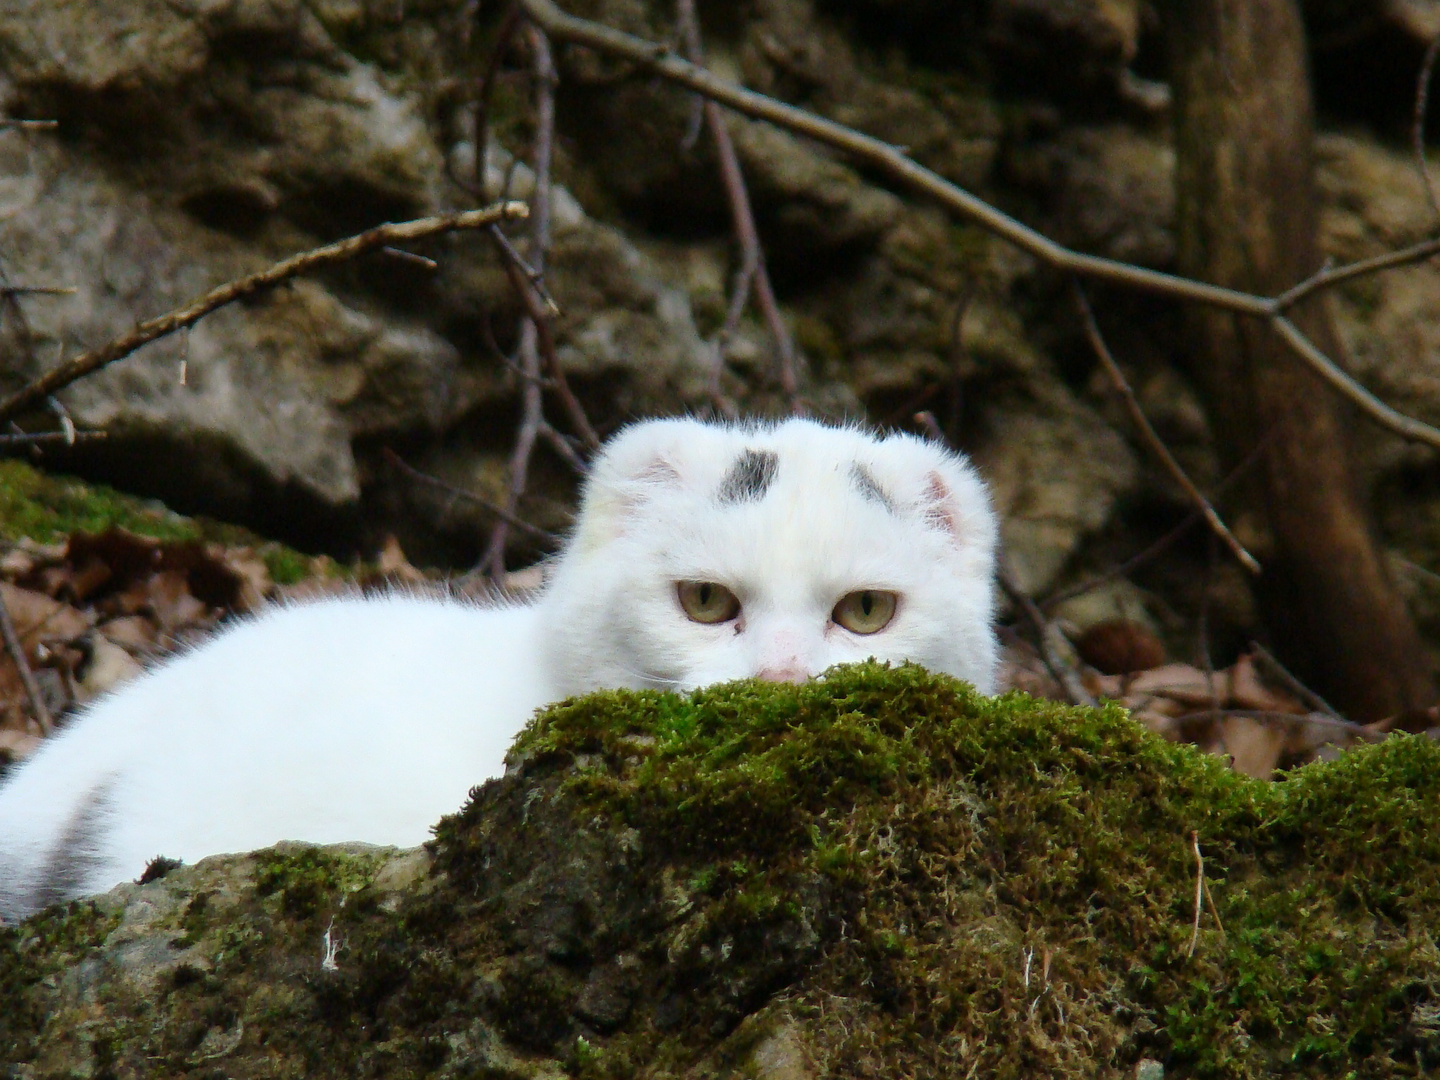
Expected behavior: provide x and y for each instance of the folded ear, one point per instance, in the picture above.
(944, 490)
(640, 463)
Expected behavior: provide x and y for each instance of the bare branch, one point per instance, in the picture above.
(563, 446)
(894, 163)
(1161, 545)
(380, 236)
(530, 420)
(1373, 407)
(545, 339)
(891, 160)
(39, 290)
(535, 277)
(1152, 439)
(16, 649)
(36, 125)
(535, 329)
(1280, 671)
(509, 23)
(41, 438)
(753, 274)
(1417, 129)
(543, 535)
(1049, 639)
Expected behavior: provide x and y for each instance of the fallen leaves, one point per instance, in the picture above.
(89, 613)
(1240, 712)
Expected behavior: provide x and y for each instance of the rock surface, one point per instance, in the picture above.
(202, 140)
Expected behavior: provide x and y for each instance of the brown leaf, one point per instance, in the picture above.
(136, 633)
(1249, 691)
(167, 596)
(38, 618)
(1254, 745)
(393, 563)
(18, 744)
(109, 666)
(1181, 682)
(249, 571)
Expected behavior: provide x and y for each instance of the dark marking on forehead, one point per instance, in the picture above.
(750, 477)
(869, 488)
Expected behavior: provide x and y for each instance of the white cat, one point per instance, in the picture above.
(703, 553)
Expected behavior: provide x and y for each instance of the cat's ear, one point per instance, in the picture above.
(943, 488)
(642, 462)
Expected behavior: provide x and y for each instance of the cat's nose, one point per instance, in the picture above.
(791, 672)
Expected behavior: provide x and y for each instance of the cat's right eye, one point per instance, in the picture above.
(707, 602)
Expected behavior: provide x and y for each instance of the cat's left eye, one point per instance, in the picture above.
(867, 611)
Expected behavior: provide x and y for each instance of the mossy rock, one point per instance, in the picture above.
(877, 874)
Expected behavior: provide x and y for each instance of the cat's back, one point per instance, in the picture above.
(353, 718)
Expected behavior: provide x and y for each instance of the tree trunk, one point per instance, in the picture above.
(1247, 218)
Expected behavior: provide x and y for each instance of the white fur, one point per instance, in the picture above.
(367, 719)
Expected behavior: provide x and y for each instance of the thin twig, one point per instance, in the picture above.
(410, 257)
(530, 419)
(22, 664)
(1161, 545)
(1152, 439)
(39, 290)
(1199, 890)
(44, 125)
(894, 163)
(1373, 407)
(509, 23)
(43, 438)
(532, 275)
(563, 446)
(380, 236)
(1417, 128)
(1314, 719)
(554, 375)
(1327, 277)
(1050, 639)
(1281, 672)
(485, 504)
(531, 397)
(754, 277)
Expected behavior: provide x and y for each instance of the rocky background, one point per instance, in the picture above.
(198, 140)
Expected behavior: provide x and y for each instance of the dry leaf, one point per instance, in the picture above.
(1249, 691)
(38, 618)
(109, 666)
(1254, 746)
(18, 744)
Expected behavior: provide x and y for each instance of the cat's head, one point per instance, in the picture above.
(709, 552)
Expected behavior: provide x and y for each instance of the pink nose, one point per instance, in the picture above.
(791, 672)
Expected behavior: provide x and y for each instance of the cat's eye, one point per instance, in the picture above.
(707, 602)
(867, 611)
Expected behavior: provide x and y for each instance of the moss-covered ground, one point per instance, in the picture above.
(904, 878)
(41, 506)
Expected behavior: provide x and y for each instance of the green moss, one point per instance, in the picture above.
(908, 878)
(303, 880)
(47, 508)
(285, 565)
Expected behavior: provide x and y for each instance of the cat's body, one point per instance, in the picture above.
(702, 553)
